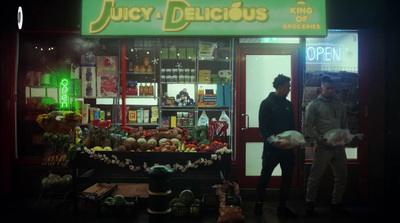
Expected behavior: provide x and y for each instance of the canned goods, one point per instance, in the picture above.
(146, 61)
(149, 69)
(142, 69)
(136, 68)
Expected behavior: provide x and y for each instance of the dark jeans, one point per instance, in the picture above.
(271, 158)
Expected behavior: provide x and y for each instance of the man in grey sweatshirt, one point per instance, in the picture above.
(322, 115)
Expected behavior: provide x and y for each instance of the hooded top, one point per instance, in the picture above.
(275, 116)
(324, 114)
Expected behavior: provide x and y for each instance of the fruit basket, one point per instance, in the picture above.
(180, 210)
(185, 205)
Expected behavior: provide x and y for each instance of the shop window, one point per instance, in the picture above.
(336, 55)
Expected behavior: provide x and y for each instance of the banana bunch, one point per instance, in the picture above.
(181, 146)
(41, 117)
(59, 159)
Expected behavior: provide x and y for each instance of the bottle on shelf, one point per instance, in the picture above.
(151, 90)
(141, 89)
(225, 117)
(203, 119)
(201, 98)
(187, 76)
(163, 75)
(146, 90)
(193, 75)
(181, 75)
(168, 75)
(174, 75)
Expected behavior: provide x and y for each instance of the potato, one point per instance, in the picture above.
(162, 129)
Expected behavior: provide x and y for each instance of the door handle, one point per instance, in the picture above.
(247, 122)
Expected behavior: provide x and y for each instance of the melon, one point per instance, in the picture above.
(179, 209)
(187, 197)
(174, 200)
(119, 200)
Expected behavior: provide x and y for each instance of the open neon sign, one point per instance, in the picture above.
(327, 53)
(64, 93)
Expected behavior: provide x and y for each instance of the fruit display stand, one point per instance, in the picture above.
(131, 167)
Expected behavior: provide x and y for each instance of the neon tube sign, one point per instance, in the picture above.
(64, 93)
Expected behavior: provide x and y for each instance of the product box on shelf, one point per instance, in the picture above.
(107, 76)
(85, 113)
(205, 76)
(88, 81)
(154, 115)
(132, 116)
(120, 113)
(165, 121)
(223, 95)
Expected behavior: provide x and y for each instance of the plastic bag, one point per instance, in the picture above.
(230, 210)
(288, 139)
(340, 137)
(231, 214)
(217, 131)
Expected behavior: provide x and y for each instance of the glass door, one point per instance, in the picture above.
(258, 68)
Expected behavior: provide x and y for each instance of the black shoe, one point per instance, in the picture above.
(258, 208)
(285, 212)
(310, 208)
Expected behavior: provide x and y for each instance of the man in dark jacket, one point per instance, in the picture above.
(276, 116)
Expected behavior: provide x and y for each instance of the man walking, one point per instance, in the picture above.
(276, 116)
(322, 115)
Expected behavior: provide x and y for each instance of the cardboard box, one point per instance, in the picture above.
(173, 121)
(205, 76)
(146, 116)
(132, 116)
(99, 190)
(227, 95)
(220, 95)
(132, 190)
(165, 121)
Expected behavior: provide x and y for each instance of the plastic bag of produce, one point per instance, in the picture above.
(287, 140)
(217, 130)
(340, 137)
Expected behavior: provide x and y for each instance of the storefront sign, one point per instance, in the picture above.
(64, 93)
(323, 53)
(204, 18)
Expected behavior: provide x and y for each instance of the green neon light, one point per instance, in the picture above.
(64, 93)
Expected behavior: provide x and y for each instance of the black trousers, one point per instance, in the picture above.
(271, 158)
